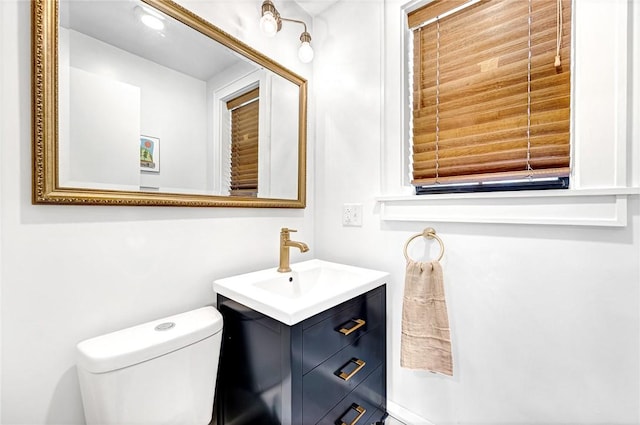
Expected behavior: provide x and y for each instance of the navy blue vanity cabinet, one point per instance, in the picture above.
(328, 369)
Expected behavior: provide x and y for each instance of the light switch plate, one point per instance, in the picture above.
(352, 215)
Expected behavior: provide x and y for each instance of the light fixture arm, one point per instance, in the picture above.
(295, 20)
(305, 36)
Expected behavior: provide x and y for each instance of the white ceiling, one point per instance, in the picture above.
(314, 7)
(177, 46)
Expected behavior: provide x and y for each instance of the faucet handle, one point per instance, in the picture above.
(286, 230)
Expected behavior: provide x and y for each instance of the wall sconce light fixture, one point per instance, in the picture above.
(271, 23)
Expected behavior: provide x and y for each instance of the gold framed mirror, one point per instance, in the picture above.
(111, 95)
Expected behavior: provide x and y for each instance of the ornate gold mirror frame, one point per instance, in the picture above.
(45, 138)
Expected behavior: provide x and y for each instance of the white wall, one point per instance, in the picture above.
(173, 108)
(282, 159)
(3, 111)
(72, 272)
(545, 319)
(104, 121)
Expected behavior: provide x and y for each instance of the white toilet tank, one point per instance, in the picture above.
(161, 372)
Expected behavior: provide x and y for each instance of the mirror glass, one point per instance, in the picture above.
(155, 106)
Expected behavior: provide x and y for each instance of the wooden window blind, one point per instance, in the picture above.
(244, 144)
(489, 101)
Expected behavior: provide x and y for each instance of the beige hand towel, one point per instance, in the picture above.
(425, 340)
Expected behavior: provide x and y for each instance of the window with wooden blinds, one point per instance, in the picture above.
(490, 94)
(244, 144)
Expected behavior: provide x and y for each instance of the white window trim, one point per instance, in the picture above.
(589, 207)
(604, 175)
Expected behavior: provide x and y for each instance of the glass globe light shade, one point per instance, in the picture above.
(305, 52)
(269, 24)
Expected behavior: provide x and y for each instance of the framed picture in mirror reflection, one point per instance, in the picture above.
(149, 154)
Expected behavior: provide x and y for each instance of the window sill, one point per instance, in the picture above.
(574, 207)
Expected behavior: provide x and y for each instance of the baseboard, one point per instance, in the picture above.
(404, 415)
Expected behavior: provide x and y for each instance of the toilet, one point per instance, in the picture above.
(161, 372)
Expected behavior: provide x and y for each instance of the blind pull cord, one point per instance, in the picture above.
(557, 62)
(437, 99)
(529, 96)
(420, 70)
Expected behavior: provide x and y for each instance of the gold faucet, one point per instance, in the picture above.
(285, 244)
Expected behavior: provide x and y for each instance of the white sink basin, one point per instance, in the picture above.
(311, 287)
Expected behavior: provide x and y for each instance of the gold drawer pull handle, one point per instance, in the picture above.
(359, 323)
(347, 376)
(361, 411)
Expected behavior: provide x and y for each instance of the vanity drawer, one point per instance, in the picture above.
(326, 337)
(361, 404)
(331, 381)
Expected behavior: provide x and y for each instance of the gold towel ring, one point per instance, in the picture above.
(428, 233)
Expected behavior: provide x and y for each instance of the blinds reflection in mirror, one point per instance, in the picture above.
(244, 144)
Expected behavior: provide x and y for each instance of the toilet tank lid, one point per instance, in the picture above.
(139, 343)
